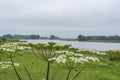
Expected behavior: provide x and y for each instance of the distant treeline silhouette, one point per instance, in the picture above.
(84, 38)
(32, 36)
(79, 38)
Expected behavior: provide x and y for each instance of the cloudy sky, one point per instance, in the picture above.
(63, 18)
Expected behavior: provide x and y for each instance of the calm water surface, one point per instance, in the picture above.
(83, 45)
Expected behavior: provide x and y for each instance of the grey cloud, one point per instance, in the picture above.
(81, 15)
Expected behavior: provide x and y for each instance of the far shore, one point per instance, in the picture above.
(105, 41)
(102, 41)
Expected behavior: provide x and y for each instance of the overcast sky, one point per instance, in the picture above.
(63, 18)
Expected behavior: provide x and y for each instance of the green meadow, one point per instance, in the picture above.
(31, 67)
(104, 70)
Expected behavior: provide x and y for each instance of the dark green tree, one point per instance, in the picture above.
(81, 38)
(7, 36)
(54, 37)
(34, 36)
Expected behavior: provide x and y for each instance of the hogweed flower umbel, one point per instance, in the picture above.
(48, 52)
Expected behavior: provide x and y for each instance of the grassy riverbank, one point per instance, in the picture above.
(104, 70)
(106, 41)
(8, 40)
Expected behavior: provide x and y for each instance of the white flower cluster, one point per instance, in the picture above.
(72, 57)
(9, 47)
(61, 45)
(68, 53)
(61, 59)
(4, 65)
(92, 59)
(100, 53)
(79, 60)
(12, 47)
(91, 51)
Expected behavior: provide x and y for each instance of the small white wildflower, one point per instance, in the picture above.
(7, 62)
(16, 64)
(62, 52)
(82, 60)
(10, 50)
(101, 53)
(70, 53)
(60, 45)
(20, 48)
(52, 59)
(7, 65)
(74, 59)
(79, 55)
(4, 67)
(92, 59)
(61, 59)
(27, 47)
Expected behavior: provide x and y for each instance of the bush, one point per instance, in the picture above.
(113, 55)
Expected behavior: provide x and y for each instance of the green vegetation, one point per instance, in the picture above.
(106, 70)
(57, 62)
(115, 38)
(113, 55)
(32, 36)
(107, 41)
(2, 40)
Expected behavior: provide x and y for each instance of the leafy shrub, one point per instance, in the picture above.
(113, 55)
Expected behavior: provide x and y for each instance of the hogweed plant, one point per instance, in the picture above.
(72, 61)
(12, 49)
(47, 52)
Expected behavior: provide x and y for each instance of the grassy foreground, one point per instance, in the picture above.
(105, 70)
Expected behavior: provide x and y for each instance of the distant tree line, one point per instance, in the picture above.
(33, 36)
(9, 36)
(53, 37)
(84, 38)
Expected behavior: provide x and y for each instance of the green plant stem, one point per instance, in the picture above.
(48, 70)
(28, 73)
(68, 74)
(15, 69)
(76, 75)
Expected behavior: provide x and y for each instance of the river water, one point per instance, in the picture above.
(83, 45)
